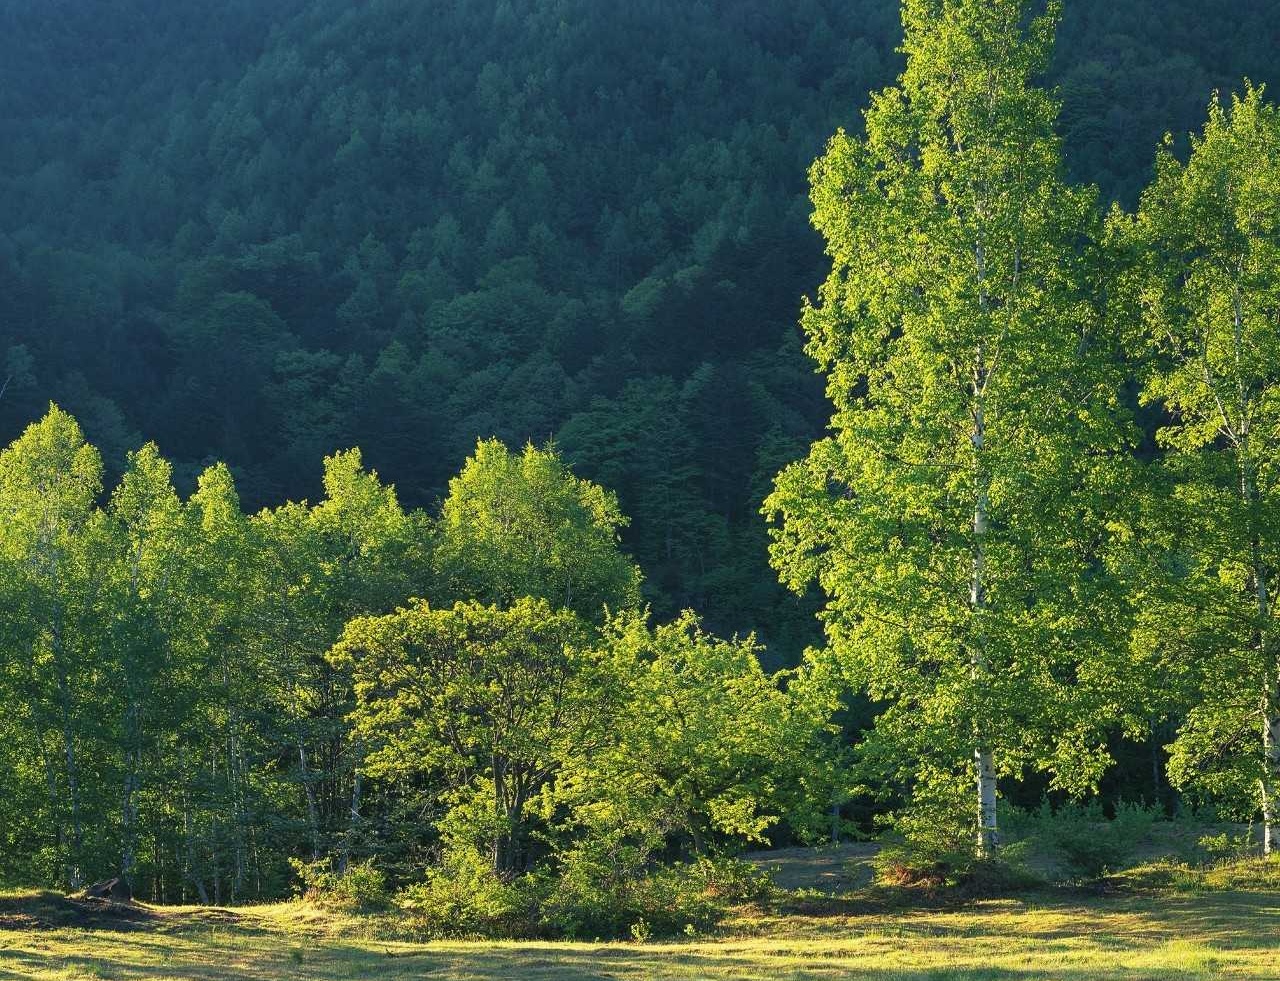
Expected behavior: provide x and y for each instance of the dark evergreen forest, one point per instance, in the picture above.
(259, 233)
(414, 381)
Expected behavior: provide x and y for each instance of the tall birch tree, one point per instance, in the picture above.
(49, 480)
(145, 540)
(956, 515)
(1206, 282)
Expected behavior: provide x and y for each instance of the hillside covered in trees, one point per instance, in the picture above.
(541, 263)
(261, 233)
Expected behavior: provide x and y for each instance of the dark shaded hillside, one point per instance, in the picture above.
(259, 232)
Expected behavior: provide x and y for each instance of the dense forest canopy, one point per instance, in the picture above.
(263, 232)
(466, 342)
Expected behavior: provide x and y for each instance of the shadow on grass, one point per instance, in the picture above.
(46, 910)
(653, 964)
(1069, 938)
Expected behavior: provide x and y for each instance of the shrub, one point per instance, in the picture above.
(935, 846)
(605, 886)
(361, 887)
(586, 900)
(929, 846)
(464, 897)
(1228, 847)
(734, 882)
(1083, 841)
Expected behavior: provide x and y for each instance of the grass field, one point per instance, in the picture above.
(1143, 934)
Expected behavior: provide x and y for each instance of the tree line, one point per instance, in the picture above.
(196, 695)
(1043, 521)
(309, 224)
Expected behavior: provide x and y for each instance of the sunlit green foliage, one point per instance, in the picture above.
(257, 232)
(1203, 288)
(958, 517)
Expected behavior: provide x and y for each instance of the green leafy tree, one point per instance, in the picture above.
(145, 544)
(49, 481)
(517, 525)
(956, 518)
(701, 744)
(1205, 280)
(321, 567)
(212, 798)
(492, 699)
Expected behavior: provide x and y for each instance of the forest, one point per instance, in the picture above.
(418, 490)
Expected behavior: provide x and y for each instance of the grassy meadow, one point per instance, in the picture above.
(1158, 923)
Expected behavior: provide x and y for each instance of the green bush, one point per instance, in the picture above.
(590, 899)
(932, 845)
(1080, 837)
(734, 882)
(598, 890)
(1228, 847)
(464, 897)
(360, 888)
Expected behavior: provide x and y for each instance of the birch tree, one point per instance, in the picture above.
(321, 567)
(49, 480)
(1206, 281)
(521, 524)
(221, 719)
(955, 517)
(145, 541)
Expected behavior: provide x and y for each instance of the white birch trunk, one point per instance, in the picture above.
(1269, 784)
(313, 813)
(984, 763)
(988, 832)
(1270, 721)
(1271, 762)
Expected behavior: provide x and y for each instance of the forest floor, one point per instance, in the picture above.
(1129, 931)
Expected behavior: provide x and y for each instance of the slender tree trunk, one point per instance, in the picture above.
(257, 861)
(132, 781)
(188, 846)
(1271, 756)
(353, 820)
(234, 784)
(75, 879)
(50, 776)
(1270, 713)
(189, 874)
(313, 814)
(157, 879)
(984, 762)
(699, 842)
(1270, 782)
(55, 807)
(501, 841)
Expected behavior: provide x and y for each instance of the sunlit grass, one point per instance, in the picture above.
(1210, 935)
